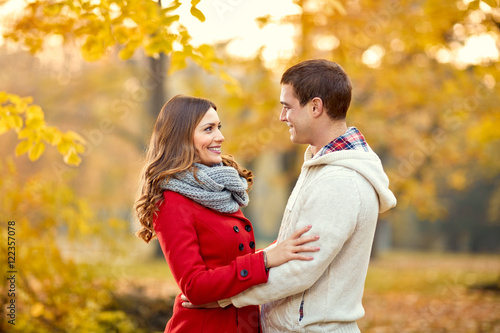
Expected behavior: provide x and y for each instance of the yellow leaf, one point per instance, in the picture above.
(23, 147)
(79, 148)
(93, 49)
(37, 310)
(121, 34)
(339, 7)
(173, 6)
(14, 121)
(25, 133)
(72, 158)
(73, 136)
(168, 20)
(3, 97)
(63, 147)
(458, 180)
(197, 13)
(51, 135)
(36, 151)
(35, 111)
(128, 51)
(3, 126)
(35, 122)
(178, 61)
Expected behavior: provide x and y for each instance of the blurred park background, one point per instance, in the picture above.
(81, 84)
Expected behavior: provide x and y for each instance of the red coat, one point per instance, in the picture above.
(212, 257)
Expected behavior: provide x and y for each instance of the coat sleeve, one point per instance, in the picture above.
(176, 231)
(332, 209)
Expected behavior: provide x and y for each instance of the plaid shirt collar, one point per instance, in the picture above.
(352, 139)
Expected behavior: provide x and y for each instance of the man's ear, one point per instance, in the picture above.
(317, 107)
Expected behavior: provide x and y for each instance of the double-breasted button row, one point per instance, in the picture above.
(247, 228)
(242, 246)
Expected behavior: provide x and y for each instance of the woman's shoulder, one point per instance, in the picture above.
(174, 198)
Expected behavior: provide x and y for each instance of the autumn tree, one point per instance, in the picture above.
(56, 292)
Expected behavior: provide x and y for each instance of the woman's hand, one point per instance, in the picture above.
(289, 249)
(187, 304)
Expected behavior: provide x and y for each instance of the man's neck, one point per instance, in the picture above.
(326, 134)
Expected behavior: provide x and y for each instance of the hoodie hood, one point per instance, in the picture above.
(367, 164)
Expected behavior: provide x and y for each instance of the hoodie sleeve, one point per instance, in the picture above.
(332, 206)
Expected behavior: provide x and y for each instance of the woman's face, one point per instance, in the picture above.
(208, 139)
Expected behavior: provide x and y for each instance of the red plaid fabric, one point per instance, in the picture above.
(351, 139)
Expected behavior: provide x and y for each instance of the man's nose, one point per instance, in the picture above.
(283, 117)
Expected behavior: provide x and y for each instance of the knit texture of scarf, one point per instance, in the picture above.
(220, 187)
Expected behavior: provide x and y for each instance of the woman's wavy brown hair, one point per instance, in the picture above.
(171, 150)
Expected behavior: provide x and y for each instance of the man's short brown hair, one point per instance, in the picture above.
(324, 79)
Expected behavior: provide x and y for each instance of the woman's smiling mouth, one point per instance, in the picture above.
(215, 150)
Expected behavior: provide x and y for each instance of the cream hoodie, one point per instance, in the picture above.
(340, 194)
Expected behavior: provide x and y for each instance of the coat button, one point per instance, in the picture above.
(252, 245)
(236, 229)
(241, 247)
(243, 272)
(248, 228)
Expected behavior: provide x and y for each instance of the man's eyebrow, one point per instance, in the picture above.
(284, 103)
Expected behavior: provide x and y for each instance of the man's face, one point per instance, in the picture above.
(296, 117)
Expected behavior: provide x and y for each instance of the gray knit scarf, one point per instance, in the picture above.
(220, 187)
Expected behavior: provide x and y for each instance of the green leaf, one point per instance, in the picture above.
(23, 147)
(36, 151)
(198, 14)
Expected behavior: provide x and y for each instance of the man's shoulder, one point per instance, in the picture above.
(327, 178)
(326, 171)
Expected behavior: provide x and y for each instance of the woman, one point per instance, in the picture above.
(190, 200)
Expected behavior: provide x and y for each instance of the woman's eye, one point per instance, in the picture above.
(208, 129)
(219, 127)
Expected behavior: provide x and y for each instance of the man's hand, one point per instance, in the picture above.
(187, 304)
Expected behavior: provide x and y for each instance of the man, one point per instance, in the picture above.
(341, 190)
